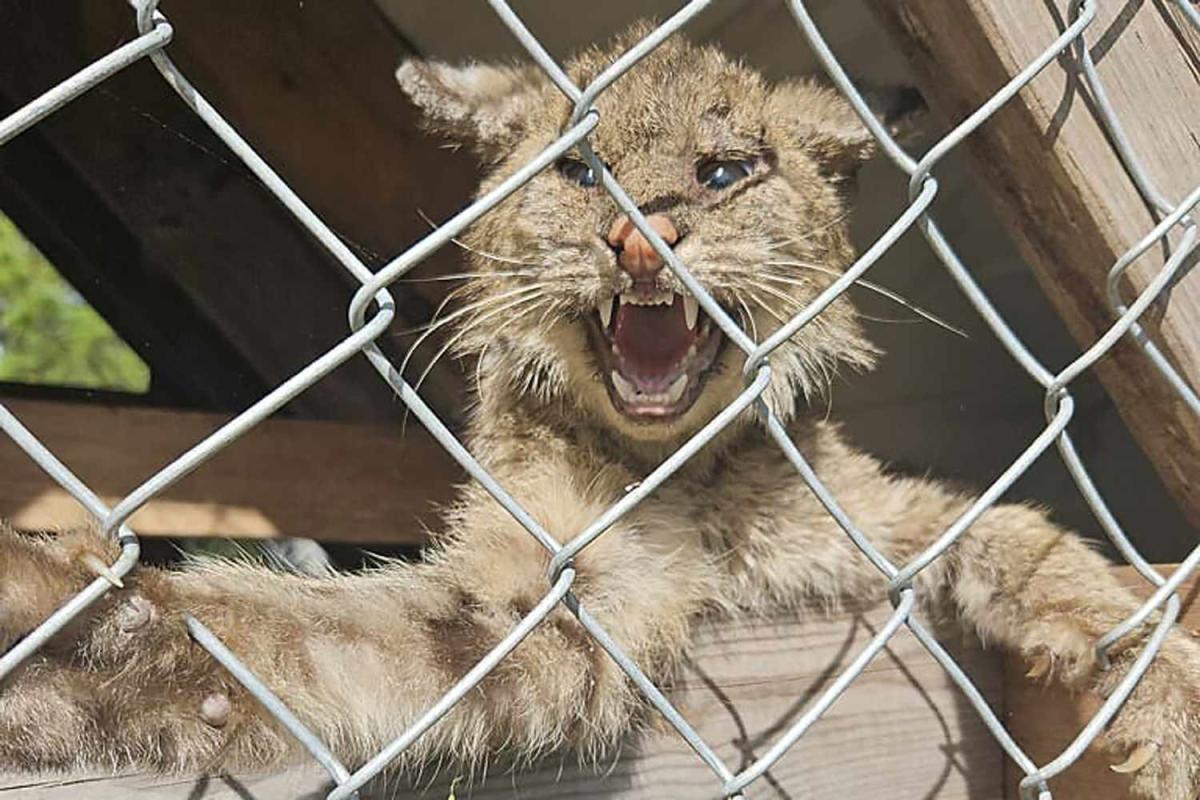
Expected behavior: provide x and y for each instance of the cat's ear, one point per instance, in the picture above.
(820, 120)
(484, 106)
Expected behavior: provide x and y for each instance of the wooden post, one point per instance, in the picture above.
(1061, 189)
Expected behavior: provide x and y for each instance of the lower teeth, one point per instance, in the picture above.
(629, 393)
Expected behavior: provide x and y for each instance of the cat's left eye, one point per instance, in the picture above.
(578, 171)
(722, 174)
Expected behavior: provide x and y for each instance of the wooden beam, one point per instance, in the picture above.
(1067, 201)
(310, 85)
(901, 731)
(320, 480)
(1044, 720)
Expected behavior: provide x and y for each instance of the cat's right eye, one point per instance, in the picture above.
(578, 172)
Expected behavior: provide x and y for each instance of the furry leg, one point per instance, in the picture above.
(1021, 581)
(357, 658)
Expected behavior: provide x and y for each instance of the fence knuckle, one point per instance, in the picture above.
(50, 584)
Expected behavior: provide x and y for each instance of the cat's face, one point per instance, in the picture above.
(740, 177)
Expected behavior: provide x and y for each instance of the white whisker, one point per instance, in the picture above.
(471, 324)
(481, 253)
(749, 318)
(770, 310)
(865, 284)
(472, 307)
(460, 276)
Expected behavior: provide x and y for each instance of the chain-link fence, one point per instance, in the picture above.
(372, 310)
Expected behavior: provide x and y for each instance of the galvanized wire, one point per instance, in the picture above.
(373, 296)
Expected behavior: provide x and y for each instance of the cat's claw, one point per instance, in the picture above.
(1040, 667)
(96, 564)
(1140, 757)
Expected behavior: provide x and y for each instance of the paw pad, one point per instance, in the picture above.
(135, 613)
(215, 709)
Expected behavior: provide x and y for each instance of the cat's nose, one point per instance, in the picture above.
(634, 253)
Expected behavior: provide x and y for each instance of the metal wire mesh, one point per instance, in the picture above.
(371, 311)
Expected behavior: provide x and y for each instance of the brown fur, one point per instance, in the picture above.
(360, 657)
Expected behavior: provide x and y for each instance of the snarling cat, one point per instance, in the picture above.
(595, 364)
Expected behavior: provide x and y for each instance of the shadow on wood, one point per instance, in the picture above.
(1057, 182)
(322, 480)
(902, 730)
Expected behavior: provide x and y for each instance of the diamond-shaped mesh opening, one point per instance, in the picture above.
(49, 335)
(371, 311)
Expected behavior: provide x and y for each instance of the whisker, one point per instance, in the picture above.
(435, 319)
(865, 284)
(770, 310)
(811, 232)
(481, 253)
(749, 317)
(552, 306)
(473, 320)
(473, 323)
(479, 371)
(791, 304)
(472, 307)
(459, 276)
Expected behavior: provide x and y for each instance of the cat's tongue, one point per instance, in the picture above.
(652, 343)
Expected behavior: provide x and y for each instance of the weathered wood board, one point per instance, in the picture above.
(322, 480)
(1059, 186)
(901, 731)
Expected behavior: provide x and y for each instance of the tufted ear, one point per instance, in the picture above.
(824, 123)
(483, 106)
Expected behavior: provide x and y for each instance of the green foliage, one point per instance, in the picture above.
(48, 334)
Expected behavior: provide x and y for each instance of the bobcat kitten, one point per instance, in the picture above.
(595, 365)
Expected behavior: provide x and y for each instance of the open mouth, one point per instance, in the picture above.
(656, 349)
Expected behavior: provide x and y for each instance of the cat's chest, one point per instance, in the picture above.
(723, 517)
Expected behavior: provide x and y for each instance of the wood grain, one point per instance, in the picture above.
(129, 193)
(1060, 188)
(320, 480)
(901, 731)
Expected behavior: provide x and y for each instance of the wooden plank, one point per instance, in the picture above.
(321, 480)
(1061, 189)
(311, 85)
(1044, 720)
(901, 731)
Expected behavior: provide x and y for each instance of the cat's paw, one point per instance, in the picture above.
(40, 573)
(1156, 735)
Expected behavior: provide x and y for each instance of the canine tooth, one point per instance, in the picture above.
(605, 307)
(623, 387)
(691, 311)
(676, 390)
